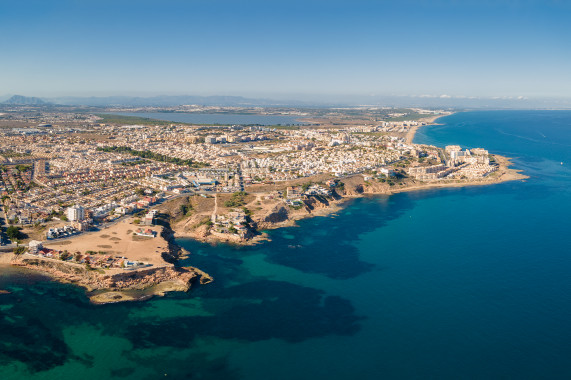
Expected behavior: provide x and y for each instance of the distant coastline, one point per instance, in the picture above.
(409, 138)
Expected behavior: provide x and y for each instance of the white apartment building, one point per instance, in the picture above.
(76, 213)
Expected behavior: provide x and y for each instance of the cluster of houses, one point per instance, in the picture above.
(340, 160)
(234, 222)
(110, 211)
(317, 190)
(237, 138)
(88, 166)
(295, 194)
(126, 206)
(62, 232)
(470, 164)
(14, 180)
(222, 180)
(180, 182)
(429, 173)
(473, 156)
(314, 189)
(25, 215)
(472, 171)
(77, 174)
(396, 126)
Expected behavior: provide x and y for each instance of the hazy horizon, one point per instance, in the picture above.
(447, 102)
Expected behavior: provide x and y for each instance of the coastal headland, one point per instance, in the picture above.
(268, 212)
(269, 206)
(116, 264)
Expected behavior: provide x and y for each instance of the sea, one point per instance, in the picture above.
(458, 283)
(218, 118)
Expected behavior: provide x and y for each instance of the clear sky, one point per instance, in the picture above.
(285, 48)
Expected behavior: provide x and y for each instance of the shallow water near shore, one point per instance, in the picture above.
(447, 283)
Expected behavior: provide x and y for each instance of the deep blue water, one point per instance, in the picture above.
(215, 118)
(446, 283)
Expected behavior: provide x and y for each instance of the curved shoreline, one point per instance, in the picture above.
(504, 174)
(409, 138)
(161, 272)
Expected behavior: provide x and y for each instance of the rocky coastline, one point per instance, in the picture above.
(280, 215)
(117, 285)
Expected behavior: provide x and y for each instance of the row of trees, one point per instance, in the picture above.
(21, 168)
(152, 156)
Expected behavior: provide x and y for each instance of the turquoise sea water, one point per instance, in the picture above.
(217, 118)
(448, 283)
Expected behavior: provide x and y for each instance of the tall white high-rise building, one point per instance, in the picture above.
(76, 213)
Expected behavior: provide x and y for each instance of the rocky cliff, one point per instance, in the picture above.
(93, 279)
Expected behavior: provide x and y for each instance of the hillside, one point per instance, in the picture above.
(25, 100)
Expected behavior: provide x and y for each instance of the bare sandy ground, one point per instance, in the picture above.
(6, 258)
(118, 240)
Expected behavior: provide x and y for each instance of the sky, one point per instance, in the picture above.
(291, 48)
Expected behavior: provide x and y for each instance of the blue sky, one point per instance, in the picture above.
(286, 48)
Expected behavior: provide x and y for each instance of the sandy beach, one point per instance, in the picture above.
(428, 120)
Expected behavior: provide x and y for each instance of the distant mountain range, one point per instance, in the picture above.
(20, 100)
(135, 101)
(442, 101)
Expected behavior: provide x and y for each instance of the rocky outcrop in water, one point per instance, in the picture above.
(93, 279)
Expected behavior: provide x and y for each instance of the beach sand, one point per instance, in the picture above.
(428, 120)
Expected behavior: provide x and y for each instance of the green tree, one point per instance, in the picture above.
(64, 255)
(13, 232)
(19, 250)
(238, 199)
(23, 168)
